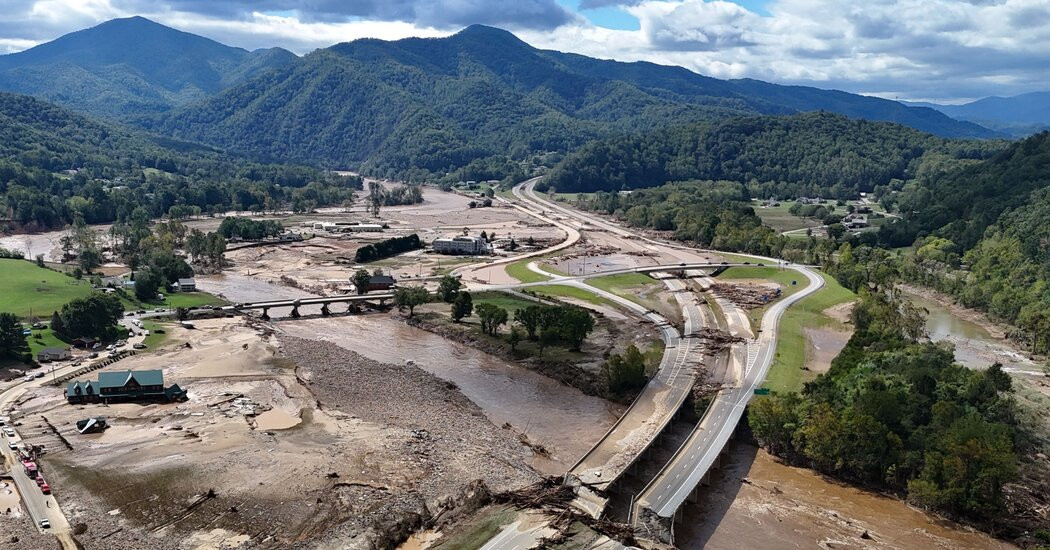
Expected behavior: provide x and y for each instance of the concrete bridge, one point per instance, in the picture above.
(324, 301)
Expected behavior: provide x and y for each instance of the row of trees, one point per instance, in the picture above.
(249, 229)
(387, 248)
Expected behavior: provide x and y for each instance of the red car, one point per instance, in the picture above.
(45, 488)
(39, 481)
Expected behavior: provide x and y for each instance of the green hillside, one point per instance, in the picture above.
(807, 154)
(132, 66)
(55, 164)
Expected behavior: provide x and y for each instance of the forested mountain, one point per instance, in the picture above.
(56, 165)
(417, 108)
(1019, 115)
(133, 66)
(807, 154)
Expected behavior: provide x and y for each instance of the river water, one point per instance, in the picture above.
(975, 347)
(550, 413)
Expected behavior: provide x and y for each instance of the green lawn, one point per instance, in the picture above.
(478, 530)
(26, 289)
(520, 271)
(509, 302)
(781, 220)
(566, 291)
(154, 340)
(619, 283)
(41, 339)
(783, 277)
(173, 300)
(786, 373)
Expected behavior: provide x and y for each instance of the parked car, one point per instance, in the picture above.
(9, 431)
(139, 345)
(28, 378)
(45, 524)
(93, 355)
(110, 347)
(45, 488)
(12, 446)
(39, 374)
(40, 481)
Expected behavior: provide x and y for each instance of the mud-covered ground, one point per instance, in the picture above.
(282, 443)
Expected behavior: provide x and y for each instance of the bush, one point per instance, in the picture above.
(387, 248)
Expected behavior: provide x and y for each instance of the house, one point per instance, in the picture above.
(855, 221)
(380, 282)
(186, 285)
(84, 342)
(365, 228)
(53, 354)
(463, 245)
(125, 385)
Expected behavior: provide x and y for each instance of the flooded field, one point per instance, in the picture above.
(548, 412)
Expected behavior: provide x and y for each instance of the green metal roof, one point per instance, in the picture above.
(119, 379)
(71, 388)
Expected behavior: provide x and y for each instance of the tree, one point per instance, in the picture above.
(375, 197)
(90, 258)
(360, 279)
(96, 316)
(547, 338)
(410, 297)
(56, 324)
(147, 281)
(462, 306)
(625, 372)
(574, 325)
(514, 338)
(491, 316)
(529, 317)
(448, 289)
(13, 343)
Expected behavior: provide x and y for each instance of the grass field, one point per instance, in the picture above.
(566, 291)
(26, 289)
(155, 339)
(520, 271)
(172, 301)
(509, 302)
(41, 339)
(781, 220)
(786, 373)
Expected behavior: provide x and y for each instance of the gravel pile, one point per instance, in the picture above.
(450, 435)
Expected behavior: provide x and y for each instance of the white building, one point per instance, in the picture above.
(470, 246)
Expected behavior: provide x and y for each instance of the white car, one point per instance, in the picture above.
(45, 523)
(28, 378)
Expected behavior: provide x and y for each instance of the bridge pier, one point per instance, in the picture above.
(266, 314)
(295, 311)
(325, 311)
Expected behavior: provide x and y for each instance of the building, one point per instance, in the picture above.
(84, 342)
(365, 228)
(855, 221)
(186, 285)
(125, 385)
(53, 354)
(463, 245)
(380, 282)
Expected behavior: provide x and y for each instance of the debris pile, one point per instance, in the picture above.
(554, 498)
(746, 296)
(715, 340)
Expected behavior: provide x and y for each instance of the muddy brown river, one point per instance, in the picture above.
(557, 416)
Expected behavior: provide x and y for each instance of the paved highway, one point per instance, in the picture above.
(672, 486)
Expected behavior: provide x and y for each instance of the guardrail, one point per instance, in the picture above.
(92, 367)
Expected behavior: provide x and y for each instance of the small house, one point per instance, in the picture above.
(380, 282)
(84, 342)
(47, 355)
(186, 285)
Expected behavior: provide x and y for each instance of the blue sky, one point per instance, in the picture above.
(947, 51)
